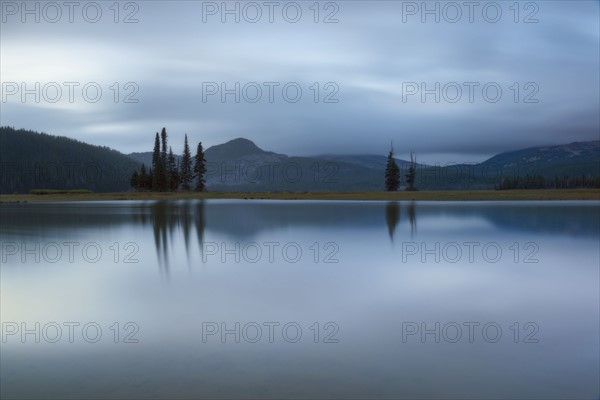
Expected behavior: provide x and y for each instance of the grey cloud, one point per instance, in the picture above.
(369, 53)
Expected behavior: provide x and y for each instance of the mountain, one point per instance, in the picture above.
(241, 165)
(365, 160)
(32, 160)
(572, 159)
(235, 149)
(146, 157)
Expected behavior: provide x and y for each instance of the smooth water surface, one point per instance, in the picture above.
(294, 299)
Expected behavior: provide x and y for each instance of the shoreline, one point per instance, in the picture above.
(445, 195)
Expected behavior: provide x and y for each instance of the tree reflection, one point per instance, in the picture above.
(167, 220)
(412, 217)
(159, 212)
(392, 216)
(200, 223)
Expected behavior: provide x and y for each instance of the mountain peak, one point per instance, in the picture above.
(242, 143)
(234, 148)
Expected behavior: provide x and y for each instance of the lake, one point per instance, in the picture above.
(300, 299)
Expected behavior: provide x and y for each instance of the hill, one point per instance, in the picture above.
(241, 165)
(365, 160)
(32, 160)
(572, 159)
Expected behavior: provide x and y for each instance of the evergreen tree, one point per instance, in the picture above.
(156, 159)
(150, 179)
(163, 150)
(185, 173)
(411, 173)
(135, 180)
(172, 171)
(199, 169)
(159, 175)
(392, 173)
(164, 175)
(145, 181)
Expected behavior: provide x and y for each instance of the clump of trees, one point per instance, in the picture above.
(167, 174)
(392, 173)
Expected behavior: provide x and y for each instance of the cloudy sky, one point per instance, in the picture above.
(453, 81)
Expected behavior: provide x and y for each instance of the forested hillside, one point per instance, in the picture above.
(32, 160)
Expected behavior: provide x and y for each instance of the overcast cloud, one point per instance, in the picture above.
(369, 61)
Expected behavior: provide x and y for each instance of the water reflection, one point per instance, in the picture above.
(176, 222)
(167, 219)
(246, 219)
(170, 220)
(200, 224)
(412, 217)
(392, 217)
(373, 289)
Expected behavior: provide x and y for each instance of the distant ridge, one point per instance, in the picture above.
(572, 159)
(365, 171)
(241, 165)
(574, 150)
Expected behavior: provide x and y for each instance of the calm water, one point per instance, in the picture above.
(245, 299)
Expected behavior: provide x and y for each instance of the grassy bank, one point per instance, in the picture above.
(565, 194)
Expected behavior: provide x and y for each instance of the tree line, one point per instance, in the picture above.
(167, 174)
(540, 182)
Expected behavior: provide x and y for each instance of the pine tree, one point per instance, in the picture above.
(392, 173)
(172, 171)
(159, 175)
(145, 182)
(163, 150)
(199, 169)
(156, 160)
(186, 166)
(150, 179)
(411, 173)
(135, 181)
(164, 175)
